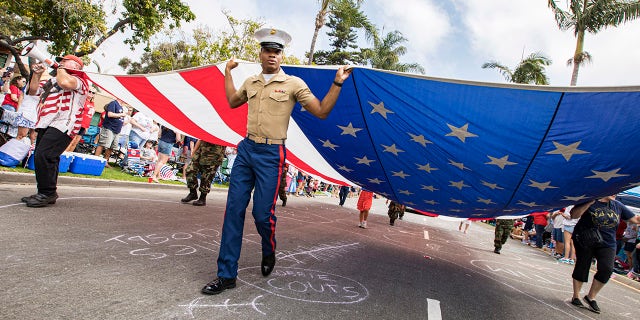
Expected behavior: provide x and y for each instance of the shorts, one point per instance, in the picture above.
(108, 139)
(558, 235)
(165, 147)
(9, 107)
(629, 246)
(568, 229)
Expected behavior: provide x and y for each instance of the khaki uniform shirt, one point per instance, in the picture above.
(271, 104)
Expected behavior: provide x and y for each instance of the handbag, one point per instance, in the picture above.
(588, 238)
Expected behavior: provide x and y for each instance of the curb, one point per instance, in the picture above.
(29, 179)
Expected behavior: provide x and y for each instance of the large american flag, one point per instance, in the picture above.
(454, 148)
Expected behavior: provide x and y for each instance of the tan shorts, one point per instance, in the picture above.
(108, 139)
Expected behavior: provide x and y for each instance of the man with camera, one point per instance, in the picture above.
(60, 118)
(7, 73)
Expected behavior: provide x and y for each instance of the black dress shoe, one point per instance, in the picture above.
(41, 200)
(267, 264)
(25, 199)
(218, 285)
(496, 250)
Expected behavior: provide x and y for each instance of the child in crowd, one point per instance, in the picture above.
(148, 154)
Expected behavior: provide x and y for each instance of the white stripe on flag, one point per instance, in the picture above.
(113, 86)
(198, 109)
(298, 143)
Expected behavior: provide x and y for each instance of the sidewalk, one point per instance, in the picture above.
(29, 178)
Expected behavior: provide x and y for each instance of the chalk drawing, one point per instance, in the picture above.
(161, 245)
(530, 276)
(322, 252)
(195, 304)
(306, 285)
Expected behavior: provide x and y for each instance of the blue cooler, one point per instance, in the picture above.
(65, 161)
(87, 164)
(31, 164)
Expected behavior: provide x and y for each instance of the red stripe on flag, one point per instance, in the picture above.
(210, 83)
(165, 109)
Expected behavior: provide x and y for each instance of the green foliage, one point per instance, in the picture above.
(204, 48)
(344, 21)
(79, 26)
(239, 42)
(591, 16)
(148, 17)
(386, 53)
(530, 70)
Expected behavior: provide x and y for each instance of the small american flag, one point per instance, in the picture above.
(167, 173)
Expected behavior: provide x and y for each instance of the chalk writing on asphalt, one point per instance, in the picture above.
(540, 276)
(162, 245)
(306, 285)
(322, 252)
(231, 307)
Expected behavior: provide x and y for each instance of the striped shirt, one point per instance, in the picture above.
(63, 109)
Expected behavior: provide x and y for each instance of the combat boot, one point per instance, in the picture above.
(202, 201)
(193, 194)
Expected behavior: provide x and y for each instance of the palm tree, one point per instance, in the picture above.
(321, 17)
(591, 16)
(386, 53)
(530, 70)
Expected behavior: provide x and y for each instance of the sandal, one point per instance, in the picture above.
(593, 306)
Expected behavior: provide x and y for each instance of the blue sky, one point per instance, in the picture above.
(449, 38)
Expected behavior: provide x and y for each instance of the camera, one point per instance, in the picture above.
(8, 72)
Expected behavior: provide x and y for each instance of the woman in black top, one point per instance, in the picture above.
(601, 217)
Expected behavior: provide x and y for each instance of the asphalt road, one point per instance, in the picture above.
(111, 250)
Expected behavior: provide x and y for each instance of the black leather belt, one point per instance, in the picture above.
(258, 139)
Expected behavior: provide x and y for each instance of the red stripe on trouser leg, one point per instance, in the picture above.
(272, 221)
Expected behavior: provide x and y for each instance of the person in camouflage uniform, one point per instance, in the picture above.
(206, 159)
(396, 210)
(282, 192)
(503, 230)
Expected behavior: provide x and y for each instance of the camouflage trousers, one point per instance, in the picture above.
(503, 230)
(283, 186)
(207, 173)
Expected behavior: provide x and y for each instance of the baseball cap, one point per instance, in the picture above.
(272, 38)
(71, 57)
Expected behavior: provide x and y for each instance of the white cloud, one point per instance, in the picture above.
(501, 30)
(450, 38)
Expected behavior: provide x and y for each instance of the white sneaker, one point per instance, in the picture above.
(364, 224)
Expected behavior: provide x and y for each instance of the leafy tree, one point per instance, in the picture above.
(205, 48)
(530, 70)
(80, 27)
(344, 21)
(325, 9)
(591, 16)
(386, 53)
